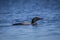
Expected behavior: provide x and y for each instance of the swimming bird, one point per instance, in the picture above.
(33, 22)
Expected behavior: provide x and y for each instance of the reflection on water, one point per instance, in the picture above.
(29, 32)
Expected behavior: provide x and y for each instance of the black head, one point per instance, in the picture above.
(36, 19)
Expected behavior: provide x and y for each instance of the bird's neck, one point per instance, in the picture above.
(33, 22)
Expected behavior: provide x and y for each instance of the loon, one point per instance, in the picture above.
(33, 22)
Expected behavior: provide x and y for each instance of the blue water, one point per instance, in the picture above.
(13, 11)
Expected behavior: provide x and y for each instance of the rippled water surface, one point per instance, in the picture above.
(13, 11)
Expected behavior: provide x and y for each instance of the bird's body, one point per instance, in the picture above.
(22, 23)
(33, 22)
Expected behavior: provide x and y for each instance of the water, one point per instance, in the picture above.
(13, 11)
(30, 32)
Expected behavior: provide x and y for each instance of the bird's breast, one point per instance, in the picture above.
(26, 22)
